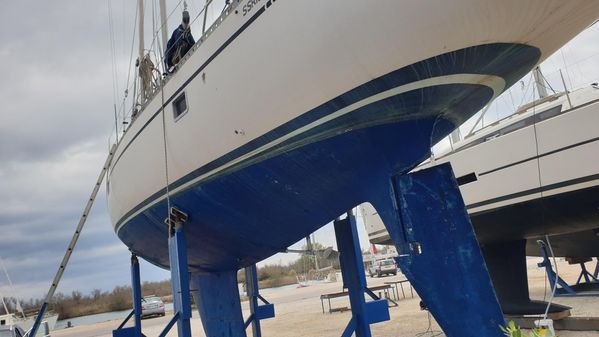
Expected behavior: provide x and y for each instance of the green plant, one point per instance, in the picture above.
(511, 330)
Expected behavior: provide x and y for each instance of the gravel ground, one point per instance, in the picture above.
(299, 313)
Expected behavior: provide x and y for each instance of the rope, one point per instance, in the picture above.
(542, 200)
(429, 330)
(168, 196)
(556, 278)
(534, 126)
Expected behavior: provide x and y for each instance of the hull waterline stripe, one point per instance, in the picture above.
(592, 140)
(384, 238)
(496, 83)
(191, 78)
(474, 142)
(531, 191)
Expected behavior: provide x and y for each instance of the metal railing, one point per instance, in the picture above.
(124, 120)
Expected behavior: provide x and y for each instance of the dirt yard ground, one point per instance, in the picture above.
(299, 313)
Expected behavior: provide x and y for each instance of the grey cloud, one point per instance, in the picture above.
(57, 114)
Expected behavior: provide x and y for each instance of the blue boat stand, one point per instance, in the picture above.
(179, 279)
(354, 279)
(427, 220)
(588, 277)
(179, 283)
(257, 312)
(564, 289)
(135, 330)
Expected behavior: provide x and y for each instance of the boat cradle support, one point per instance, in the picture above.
(589, 287)
(427, 220)
(354, 279)
(257, 312)
(179, 282)
(135, 330)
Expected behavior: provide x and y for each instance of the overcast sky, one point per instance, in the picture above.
(57, 117)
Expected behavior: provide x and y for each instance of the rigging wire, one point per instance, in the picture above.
(542, 201)
(162, 26)
(546, 83)
(153, 21)
(155, 40)
(122, 106)
(131, 52)
(512, 99)
(526, 88)
(566, 67)
(159, 45)
(112, 51)
(114, 69)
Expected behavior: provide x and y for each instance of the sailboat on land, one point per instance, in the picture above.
(285, 114)
(20, 318)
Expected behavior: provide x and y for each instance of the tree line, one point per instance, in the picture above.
(97, 301)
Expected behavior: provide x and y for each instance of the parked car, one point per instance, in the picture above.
(11, 331)
(383, 267)
(152, 306)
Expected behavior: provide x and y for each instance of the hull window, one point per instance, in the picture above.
(179, 106)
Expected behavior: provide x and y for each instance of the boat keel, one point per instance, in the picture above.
(439, 252)
(217, 298)
(507, 265)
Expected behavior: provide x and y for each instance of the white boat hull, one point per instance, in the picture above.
(294, 58)
(550, 164)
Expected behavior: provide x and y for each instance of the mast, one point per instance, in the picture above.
(4, 304)
(541, 89)
(17, 299)
(163, 24)
(140, 8)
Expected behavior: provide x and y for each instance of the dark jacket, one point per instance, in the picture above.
(178, 45)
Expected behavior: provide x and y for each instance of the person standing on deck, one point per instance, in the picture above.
(179, 44)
